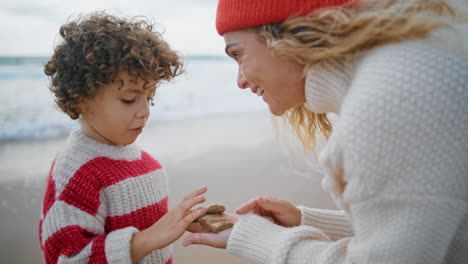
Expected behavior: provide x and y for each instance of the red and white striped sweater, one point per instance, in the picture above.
(97, 196)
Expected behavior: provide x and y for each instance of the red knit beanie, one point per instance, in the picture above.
(237, 14)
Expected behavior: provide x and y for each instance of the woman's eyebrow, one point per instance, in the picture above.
(228, 46)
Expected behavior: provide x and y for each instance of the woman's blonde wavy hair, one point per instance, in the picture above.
(343, 33)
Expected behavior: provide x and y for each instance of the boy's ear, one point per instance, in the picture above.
(82, 106)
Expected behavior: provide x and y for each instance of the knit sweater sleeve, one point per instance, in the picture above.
(382, 236)
(73, 227)
(335, 224)
(396, 162)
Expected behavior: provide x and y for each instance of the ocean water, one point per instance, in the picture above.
(27, 108)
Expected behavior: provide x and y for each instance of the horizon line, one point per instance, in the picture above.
(43, 56)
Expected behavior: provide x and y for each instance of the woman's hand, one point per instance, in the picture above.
(278, 211)
(169, 227)
(202, 236)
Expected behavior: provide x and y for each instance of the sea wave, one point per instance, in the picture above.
(27, 108)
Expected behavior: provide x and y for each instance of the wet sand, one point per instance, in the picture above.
(236, 156)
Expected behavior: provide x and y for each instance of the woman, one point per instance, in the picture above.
(396, 159)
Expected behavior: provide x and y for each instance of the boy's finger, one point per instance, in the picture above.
(184, 206)
(196, 192)
(190, 218)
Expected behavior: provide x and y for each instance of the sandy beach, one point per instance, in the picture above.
(236, 156)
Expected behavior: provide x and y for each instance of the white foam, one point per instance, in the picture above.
(208, 87)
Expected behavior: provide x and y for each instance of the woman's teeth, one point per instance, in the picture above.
(260, 92)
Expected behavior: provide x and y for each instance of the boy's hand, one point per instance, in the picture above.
(205, 237)
(278, 211)
(173, 225)
(169, 227)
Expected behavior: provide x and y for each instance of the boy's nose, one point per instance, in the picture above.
(144, 109)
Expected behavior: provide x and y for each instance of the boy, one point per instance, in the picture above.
(106, 199)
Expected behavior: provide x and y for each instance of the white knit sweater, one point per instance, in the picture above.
(396, 162)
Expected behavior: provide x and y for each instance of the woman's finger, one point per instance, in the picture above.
(247, 207)
(196, 228)
(233, 217)
(271, 204)
(209, 239)
(196, 192)
(196, 239)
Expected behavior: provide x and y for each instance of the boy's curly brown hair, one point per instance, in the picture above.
(96, 47)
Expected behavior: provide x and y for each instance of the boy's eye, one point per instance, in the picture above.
(151, 99)
(127, 101)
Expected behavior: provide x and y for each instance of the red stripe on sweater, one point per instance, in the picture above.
(141, 218)
(98, 251)
(49, 199)
(49, 196)
(67, 241)
(169, 261)
(82, 191)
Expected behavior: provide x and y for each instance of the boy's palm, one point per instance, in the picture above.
(173, 224)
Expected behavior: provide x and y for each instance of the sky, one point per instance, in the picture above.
(30, 27)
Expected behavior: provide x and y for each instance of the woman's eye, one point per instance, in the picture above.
(127, 101)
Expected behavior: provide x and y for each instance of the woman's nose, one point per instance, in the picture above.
(241, 81)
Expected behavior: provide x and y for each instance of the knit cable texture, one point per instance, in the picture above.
(396, 163)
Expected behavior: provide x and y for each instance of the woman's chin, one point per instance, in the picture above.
(276, 112)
